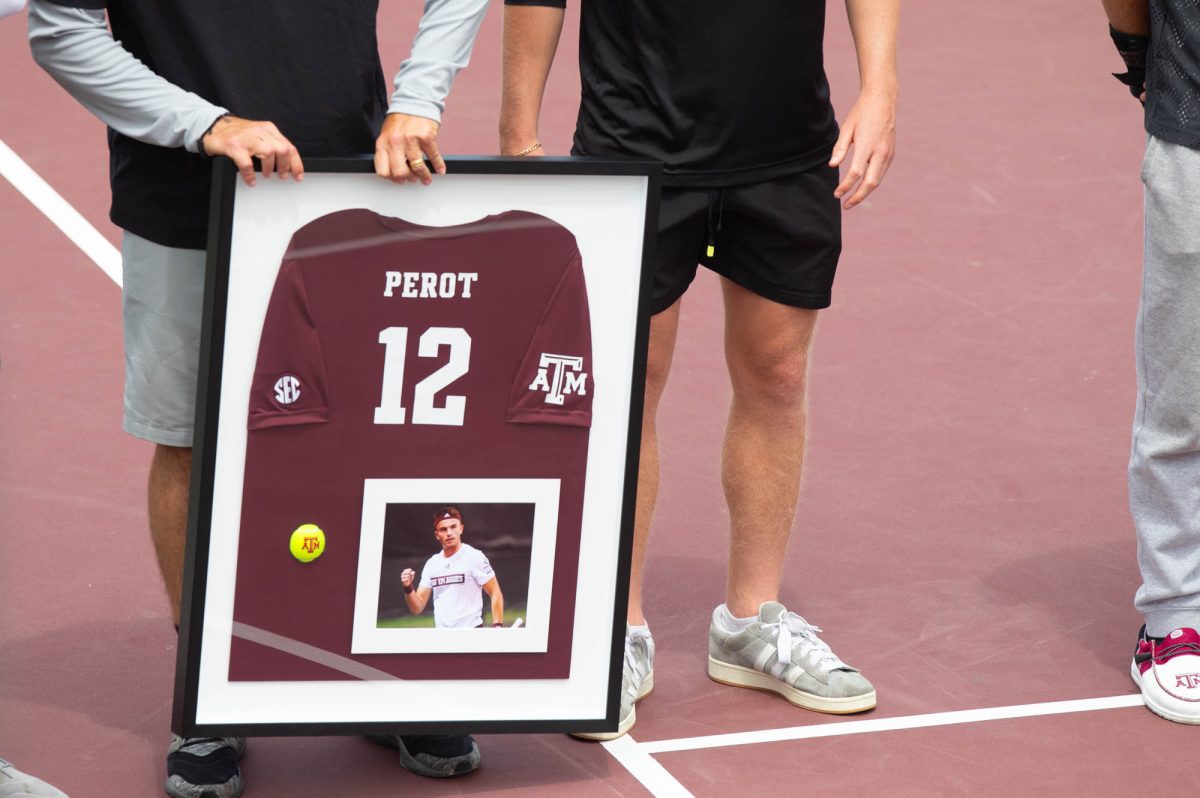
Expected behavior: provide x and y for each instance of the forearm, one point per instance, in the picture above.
(440, 49)
(1129, 16)
(875, 24)
(416, 604)
(531, 36)
(497, 607)
(74, 46)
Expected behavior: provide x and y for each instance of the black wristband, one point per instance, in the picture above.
(1133, 50)
(495, 625)
(1131, 46)
(408, 588)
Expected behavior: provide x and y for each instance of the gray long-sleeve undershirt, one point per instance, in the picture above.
(75, 47)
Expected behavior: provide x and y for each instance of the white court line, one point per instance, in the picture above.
(645, 768)
(60, 212)
(638, 758)
(890, 724)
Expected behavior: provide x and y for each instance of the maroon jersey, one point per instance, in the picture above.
(389, 351)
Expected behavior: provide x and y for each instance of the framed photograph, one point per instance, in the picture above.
(416, 446)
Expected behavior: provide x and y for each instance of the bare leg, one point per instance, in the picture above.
(663, 328)
(767, 348)
(170, 478)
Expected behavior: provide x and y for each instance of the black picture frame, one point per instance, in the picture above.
(188, 717)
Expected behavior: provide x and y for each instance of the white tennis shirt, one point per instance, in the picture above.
(457, 584)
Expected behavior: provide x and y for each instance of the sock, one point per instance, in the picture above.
(732, 624)
(637, 631)
(1150, 637)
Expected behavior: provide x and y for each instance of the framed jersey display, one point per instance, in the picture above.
(416, 450)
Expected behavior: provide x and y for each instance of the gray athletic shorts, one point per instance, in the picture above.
(162, 303)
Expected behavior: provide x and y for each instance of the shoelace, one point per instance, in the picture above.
(1170, 650)
(203, 746)
(795, 632)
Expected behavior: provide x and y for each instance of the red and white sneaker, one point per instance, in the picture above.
(1168, 673)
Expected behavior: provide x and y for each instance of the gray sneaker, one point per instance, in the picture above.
(781, 652)
(637, 680)
(15, 784)
(205, 767)
(438, 756)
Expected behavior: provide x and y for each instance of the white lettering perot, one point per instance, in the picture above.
(429, 285)
(287, 389)
(558, 376)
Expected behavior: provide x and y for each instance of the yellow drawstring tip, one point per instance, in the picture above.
(711, 250)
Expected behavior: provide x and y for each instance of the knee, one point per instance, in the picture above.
(1169, 418)
(658, 368)
(780, 379)
(1163, 442)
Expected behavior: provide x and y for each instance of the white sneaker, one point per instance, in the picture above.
(15, 784)
(1168, 674)
(637, 680)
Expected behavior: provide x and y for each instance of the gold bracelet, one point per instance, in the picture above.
(529, 149)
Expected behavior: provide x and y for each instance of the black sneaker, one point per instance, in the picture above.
(438, 756)
(205, 767)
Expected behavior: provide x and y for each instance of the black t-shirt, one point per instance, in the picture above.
(721, 92)
(311, 67)
(1173, 72)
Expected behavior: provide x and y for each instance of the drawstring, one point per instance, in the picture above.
(720, 214)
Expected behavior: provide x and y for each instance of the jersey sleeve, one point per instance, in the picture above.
(554, 384)
(425, 583)
(289, 386)
(481, 570)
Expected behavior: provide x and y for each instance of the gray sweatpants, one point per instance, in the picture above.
(1164, 467)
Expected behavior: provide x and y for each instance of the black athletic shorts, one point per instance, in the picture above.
(780, 238)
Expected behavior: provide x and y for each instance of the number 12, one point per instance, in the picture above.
(391, 408)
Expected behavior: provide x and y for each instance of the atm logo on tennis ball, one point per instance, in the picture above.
(307, 542)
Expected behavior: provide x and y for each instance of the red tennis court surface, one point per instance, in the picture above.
(963, 537)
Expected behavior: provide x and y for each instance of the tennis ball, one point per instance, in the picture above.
(308, 542)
